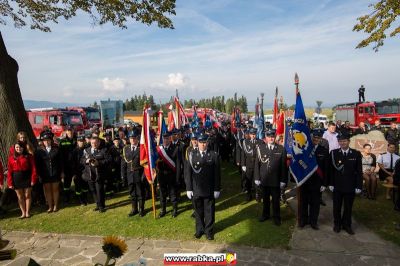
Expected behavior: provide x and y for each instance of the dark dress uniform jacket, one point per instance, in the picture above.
(49, 165)
(320, 177)
(203, 174)
(249, 152)
(165, 172)
(345, 173)
(270, 166)
(104, 161)
(131, 164)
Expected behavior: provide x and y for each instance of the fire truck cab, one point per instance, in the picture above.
(56, 119)
(369, 112)
(90, 116)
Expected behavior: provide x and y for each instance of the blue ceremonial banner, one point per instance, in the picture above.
(261, 124)
(303, 163)
(288, 139)
(195, 119)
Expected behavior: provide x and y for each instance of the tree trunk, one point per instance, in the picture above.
(13, 117)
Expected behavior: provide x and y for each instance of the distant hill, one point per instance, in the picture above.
(29, 104)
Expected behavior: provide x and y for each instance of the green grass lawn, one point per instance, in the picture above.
(378, 216)
(236, 221)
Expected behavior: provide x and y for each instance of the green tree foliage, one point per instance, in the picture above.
(137, 102)
(219, 103)
(37, 14)
(378, 22)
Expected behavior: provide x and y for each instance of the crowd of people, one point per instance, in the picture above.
(104, 162)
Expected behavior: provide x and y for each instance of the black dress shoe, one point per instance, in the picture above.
(162, 214)
(174, 213)
(141, 213)
(349, 230)
(315, 227)
(336, 229)
(102, 210)
(277, 222)
(133, 213)
(198, 235)
(263, 219)
(210, 237)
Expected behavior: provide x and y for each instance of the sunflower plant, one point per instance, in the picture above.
(114, 248)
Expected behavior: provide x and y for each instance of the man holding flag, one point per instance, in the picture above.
(311, 189)
(303, 162)
(167, 174)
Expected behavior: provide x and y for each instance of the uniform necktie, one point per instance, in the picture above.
(391, 161)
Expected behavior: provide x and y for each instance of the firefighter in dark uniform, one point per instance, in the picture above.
(88, 136)
(345, 180)
(180, 145)
(271, 173)
(116, 154)
(316, 183)
(134, 172)
(67, 145)
(248, 161)
(97, 161)
(194, 146)
(168, 176)
(81, 186)
(224, 143)
(203, 181)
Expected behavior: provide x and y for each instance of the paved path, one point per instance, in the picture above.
(308, 247)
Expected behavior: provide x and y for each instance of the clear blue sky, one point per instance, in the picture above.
(218, 47)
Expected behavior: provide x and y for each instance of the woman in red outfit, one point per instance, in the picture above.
(22, 176)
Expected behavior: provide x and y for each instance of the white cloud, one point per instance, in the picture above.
(114, 85)
(177, 80)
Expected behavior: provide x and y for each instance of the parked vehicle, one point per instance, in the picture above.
(368, 112)
(55, 119)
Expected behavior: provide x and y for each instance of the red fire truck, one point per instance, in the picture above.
(90, 116)
(369, 112)
(56, 119)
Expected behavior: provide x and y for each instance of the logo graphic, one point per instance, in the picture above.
(300, 142)
(230, 258)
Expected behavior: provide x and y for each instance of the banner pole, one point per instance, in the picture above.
(299, 199)
(153, 200)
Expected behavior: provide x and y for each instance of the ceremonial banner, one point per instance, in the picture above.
(162, 127)
(181, 118)
(148, 154)
(261, 123)
(303, 162)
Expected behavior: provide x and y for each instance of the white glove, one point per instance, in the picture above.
(283, 185)
(189, 194)
(322, 189)
(216, 194)
(358, 191)
(331, 188)
(258, 182)
(244, 168)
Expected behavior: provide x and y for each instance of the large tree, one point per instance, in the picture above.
(378, 23)
(38, 15)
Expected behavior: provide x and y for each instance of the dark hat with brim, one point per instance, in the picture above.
(342, 136)
(80, 138)
(47, 136)
(203, 137)
(253, 131)
(318, 132)
(166, 135)
(270, 133)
